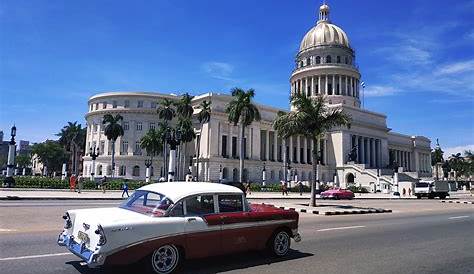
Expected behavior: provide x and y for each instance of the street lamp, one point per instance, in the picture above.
(220, 174)
(9, 180)
(93, 153)
(173, 139)
(264, 175)
(148, 164)
(289, 172)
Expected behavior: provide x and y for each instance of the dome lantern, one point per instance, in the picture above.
(323, 13)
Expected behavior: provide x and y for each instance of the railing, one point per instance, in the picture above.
(353, 66)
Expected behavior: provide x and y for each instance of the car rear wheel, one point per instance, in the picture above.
(165, 259)
(280, 243)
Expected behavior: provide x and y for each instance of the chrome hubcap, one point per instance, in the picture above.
(164, 259)
(282, 243)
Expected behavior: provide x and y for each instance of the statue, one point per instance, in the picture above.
(353, 154)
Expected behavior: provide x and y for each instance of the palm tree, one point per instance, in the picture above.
(152, 142)
(241, 110)
(184, 110)
(113, 130)
(456, 162)
(203, 117)
(436, 158)
(311, 118)
(73, 138)
(166, 112)
(186, 129)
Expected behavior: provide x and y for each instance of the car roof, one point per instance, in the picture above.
(178, 190)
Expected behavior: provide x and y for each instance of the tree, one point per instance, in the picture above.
(166, 113)
(311, 118)
(241, 110)
(51, 154)
(203, 117)
(73, 138)
(437, 158)
(152, 142)
(456, 162)
(113, 130)
(184, 126)
(23, 160)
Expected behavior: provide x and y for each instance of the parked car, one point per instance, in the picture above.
(337, 193)
(162, 224)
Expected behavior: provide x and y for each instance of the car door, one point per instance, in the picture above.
(238, 229)
(201, 226)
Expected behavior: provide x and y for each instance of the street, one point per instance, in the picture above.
(420, 236)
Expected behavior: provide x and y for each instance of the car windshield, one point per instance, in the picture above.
(148, 203)
(421, 185)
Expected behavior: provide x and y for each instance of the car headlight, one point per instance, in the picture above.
(67, 219)
(100, 231)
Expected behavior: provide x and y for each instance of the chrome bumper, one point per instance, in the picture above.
(93, 258)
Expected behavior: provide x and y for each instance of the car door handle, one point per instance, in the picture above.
(191, 220)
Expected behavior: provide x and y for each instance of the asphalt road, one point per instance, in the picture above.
(419, 237)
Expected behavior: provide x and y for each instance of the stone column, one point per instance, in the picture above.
(229, 141)
(312, 86)
(333, 84)
(267, 145)
(326, 85)
(298, 152)
(363, 150)
(319, 84)
(340, 85)
(275, 146)
(291, 149)
(359, 149)
(372, 150)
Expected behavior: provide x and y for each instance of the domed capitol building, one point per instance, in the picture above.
(325, 65)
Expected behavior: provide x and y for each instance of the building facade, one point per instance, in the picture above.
(325, 65)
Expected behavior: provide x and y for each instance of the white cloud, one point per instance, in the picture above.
(377, 91)
(218, 70)
(458, 149)
(458, 67)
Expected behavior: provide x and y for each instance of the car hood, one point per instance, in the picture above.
(107, 216)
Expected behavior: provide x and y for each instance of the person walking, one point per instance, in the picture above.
(125, 188)
(300, 186)
(72, 182)
(103, 183)
(80, 182)
(248, 189)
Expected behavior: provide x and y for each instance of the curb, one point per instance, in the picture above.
(16, 198)
(362, 211)
(301, 210)
(457, 202)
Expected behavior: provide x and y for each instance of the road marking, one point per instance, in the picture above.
(34, 256)
(458, 217)
(341, 228)
(6, 230)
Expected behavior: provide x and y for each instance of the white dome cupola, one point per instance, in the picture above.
(325, 64)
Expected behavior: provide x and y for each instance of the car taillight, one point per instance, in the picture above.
(67, 219)
(100, 231)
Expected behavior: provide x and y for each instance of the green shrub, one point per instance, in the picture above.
(57, 183)
(358, 189)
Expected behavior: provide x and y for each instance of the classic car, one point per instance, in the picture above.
(337, 193)
(162, 224)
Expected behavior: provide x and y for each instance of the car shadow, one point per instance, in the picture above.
(203, 266)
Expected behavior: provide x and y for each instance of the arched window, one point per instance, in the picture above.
(328, 59)
(318, 60)
(225, 173)
(235, 175)
(308, 61)
(246, 175)
(136, 171)
(338, 59)
(346, 60)
(122, 170)
(99, 170)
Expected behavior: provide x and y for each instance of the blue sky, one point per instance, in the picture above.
(416, 57)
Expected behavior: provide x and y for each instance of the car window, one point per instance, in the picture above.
(147, 202)
(230, 203)
(178, 210)
(199, 205)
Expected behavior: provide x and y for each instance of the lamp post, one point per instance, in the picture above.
(220, 174)
(173, 139)
(148, 164)
(10, 181)
(93, 153)
(264, 175)
(288, 172)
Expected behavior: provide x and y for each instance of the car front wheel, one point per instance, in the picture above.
(165, 259)
(280, 243)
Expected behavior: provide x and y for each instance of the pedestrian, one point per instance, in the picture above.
(300, 185)
(248, 188)
(409, 191)
(103, 183)
(125, 188)
(72, 182)
(80, 182)
(284, 189)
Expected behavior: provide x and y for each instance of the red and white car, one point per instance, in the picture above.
(162, 224)
(337, 193)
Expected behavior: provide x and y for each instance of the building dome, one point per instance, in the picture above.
(324, 33)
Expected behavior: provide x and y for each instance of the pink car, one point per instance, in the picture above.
(337, 193)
